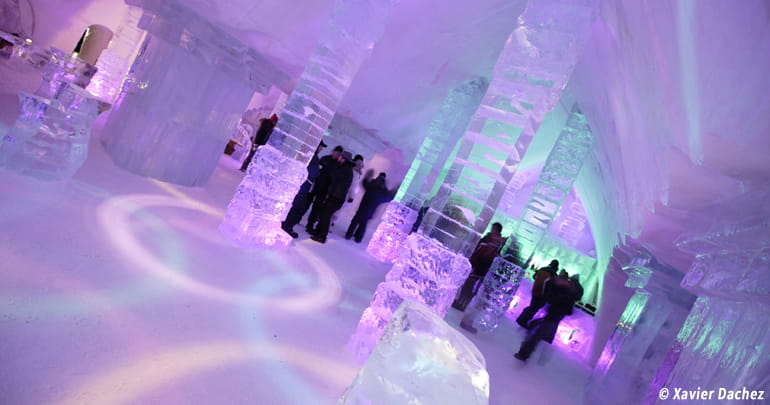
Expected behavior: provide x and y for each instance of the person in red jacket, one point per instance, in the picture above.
(542, 277)
(481, 260)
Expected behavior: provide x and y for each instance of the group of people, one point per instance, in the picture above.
(556, 289)
(332, 181)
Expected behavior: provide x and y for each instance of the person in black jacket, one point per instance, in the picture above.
(341, 177)
(260, 138)
(376, 193)
(328, 163)
(561, 294)
(299, 205)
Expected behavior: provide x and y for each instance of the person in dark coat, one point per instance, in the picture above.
(260, 138)
(562, 294)
(542, 277)
(341, 177)
(299, 205)
(375, 193)
(481, 260)
(328, 164)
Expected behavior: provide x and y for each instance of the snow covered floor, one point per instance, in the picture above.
(116, 288)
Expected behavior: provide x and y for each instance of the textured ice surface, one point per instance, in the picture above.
(425, 272)
(495, 295)
(392, 231)
(555, 182)
(528, 80)
(263, 198)
(186, 91)
(420, 359)
(114, 62)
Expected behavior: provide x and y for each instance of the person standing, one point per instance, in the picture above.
(300, 203)
(321, 187)
(481, 260)
(538, 300)
(341, 177)
(376, 192)
(260, 138)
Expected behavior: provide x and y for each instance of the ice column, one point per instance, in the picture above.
(264, 196)
(555, 183)
(494, 296)
(645, 330)
(528, 80)
(420, 359)
(427, 169)
(115, 61)
(187, 89)
(724, 341)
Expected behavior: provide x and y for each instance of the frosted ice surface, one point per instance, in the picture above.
(426, 272)
(495, 295)
(420, 359)
(263, 198)
(392, 231)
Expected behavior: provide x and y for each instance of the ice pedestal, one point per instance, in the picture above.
(186, 91)
(494, 297)
(426, 272)
(395, 226)
(49, 139)
(428, 169)
(420, 359)
(253, 219)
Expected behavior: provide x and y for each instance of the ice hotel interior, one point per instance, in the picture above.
(628, 139)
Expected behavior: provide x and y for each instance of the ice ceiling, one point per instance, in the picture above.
(677, 94)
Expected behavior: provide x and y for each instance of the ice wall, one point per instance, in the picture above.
(255, 212)
(420, 359)
(188, 87)
(428, 168)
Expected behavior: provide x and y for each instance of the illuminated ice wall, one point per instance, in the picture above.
(186, 91)
(264, 197)
(724, 341)
(427, 169)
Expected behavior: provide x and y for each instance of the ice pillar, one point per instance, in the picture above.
(427, 169)
(494, 297)
(724, 341)
(528, 80)
(645, 330)
(559, 173)
(115, 61)
(264, 197)
(421, 359)
(189, 85)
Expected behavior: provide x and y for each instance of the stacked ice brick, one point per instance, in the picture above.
(723, 342)
(555, 183)
(187, 88)
(425, 272)
(49, 139)
(115, 61)
(420, 359)
(427, 169)
(495, 295)
(264, 196)
(528, 80)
